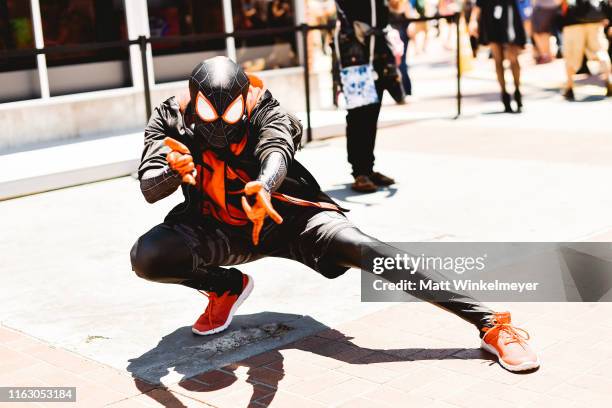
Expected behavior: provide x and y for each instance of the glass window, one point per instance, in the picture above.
(83, 21)
(266, 52)
(185, 17)
(173, 61)
(16, 33)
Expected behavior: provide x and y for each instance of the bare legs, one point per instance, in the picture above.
(512, 52)
(542, 41)
(498, 55)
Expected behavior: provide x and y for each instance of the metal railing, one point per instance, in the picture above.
(142, 42)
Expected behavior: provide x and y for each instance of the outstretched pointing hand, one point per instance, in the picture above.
(180, 160)
(262, 207)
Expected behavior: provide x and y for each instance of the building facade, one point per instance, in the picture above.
(58, 96)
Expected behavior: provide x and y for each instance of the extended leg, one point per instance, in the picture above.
(329, 243)
(345, 249)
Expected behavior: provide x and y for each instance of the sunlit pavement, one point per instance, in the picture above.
(75, 315)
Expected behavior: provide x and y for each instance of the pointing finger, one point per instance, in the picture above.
(246, 206)
(256, 230)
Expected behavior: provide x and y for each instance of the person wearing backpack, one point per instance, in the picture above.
(364, 67)
(583, 34)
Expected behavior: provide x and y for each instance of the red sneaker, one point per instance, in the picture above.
(509, 344)
(220, 309)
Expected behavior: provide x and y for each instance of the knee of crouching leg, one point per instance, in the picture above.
(143, 257)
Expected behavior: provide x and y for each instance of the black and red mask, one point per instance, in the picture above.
(218, 88)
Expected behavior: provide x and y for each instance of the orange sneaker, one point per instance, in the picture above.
(220, 309)
(509, 344)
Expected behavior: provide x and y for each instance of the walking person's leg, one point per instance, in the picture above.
(573, 53)
(596, 49)
(361, 129)
(541, 49)
(498, 56)
(403, 67)
(513, 52)
(542, 42)
(360, 138)
(609, 37)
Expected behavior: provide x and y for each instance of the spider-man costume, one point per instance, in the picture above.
(230, 146)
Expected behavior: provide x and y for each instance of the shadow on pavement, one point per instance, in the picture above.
(343, 192)
(591, 98)
(264, 367)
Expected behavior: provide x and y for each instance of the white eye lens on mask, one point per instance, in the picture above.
(204, 109)
(234, 112)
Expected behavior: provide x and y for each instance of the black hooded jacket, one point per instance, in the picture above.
(270, 129)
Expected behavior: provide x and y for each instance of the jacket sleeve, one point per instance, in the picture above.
(277, 130)
(157, 179)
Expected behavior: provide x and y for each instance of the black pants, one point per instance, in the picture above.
(197, 256)
(361, 124)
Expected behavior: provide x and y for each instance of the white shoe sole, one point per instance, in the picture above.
(528, 365)
(245, 294)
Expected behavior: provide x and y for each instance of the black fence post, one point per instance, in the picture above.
(304, 29)
(142, 42)
(458, 33)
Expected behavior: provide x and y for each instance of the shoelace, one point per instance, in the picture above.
(212, 297)
(516, 334)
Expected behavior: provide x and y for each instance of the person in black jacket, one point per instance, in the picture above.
(230, 146)
(361, 122)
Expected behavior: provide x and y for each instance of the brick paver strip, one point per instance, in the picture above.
(28, 362)
(338, 367)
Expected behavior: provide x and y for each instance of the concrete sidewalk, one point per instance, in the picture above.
(300, 339)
